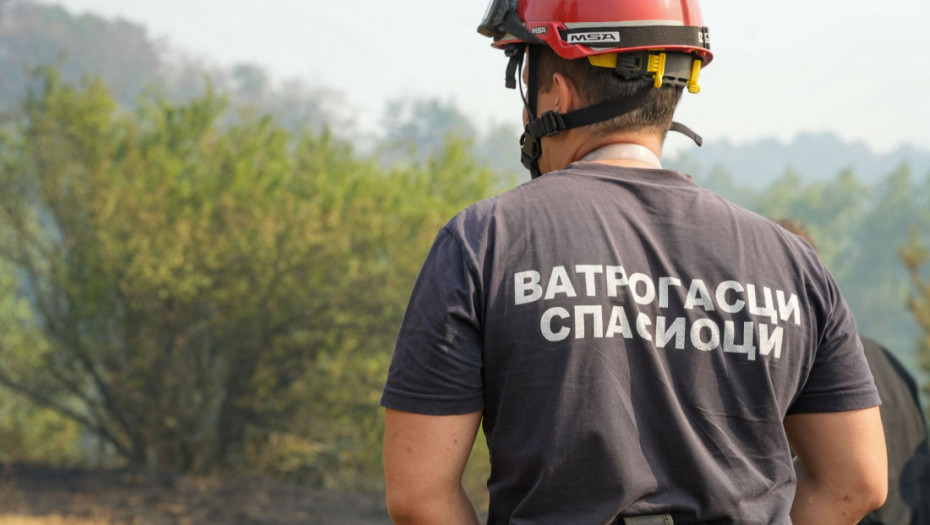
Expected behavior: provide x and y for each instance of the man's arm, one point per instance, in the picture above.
(424, 457)
(841, 464)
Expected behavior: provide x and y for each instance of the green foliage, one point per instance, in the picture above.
(33, 434)
(873, 279)
(416, 131)
(387, 222)
(199, 296)
(423, 125)
(154, 252)
(28, 432)
(915, 256)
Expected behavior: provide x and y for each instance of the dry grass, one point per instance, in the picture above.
(47, 496)
(50, 520)
(13, 511)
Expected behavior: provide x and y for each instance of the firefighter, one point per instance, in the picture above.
(637, 349)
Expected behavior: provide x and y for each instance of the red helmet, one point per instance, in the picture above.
(664, 41)
(584, 28)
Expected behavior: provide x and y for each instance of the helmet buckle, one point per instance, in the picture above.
(656, 66)
(550, 123)
(693, 86)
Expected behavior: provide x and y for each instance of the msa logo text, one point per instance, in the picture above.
(594, 38)
(539, 30)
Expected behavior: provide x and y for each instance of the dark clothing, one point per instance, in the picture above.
(635, 343)
(908, 500)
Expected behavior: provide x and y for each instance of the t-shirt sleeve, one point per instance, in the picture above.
(437, 363)
(840, 378)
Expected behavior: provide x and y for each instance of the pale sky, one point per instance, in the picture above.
(856, 67)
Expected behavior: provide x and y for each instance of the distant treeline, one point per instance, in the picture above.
(135, 66)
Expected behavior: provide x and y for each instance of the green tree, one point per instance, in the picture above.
(415, 128)
(197, 292)
(174, 270)
(873, 280)
(915, 256)
(28, 432)
(390, 222)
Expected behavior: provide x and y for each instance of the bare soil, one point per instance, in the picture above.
(37, 495)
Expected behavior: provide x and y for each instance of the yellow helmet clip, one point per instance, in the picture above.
(608, 61)
(693, 86)
(656, 66)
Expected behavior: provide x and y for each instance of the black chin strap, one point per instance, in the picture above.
(530, 147)
(686, 131)
(552, 122)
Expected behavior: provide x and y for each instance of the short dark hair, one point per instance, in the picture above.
(600, 84)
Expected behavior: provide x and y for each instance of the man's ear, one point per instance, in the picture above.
(566, 92)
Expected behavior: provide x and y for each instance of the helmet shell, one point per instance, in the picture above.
(582, 28)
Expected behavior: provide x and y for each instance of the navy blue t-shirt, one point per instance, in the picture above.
(634, 342)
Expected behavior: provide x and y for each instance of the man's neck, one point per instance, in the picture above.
(634, 150)
(624, 154)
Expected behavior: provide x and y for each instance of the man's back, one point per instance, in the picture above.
(633, 344)
(641, 343)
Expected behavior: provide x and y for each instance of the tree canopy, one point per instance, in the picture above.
(187, 291)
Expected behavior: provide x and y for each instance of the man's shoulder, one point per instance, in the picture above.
(506, 202)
